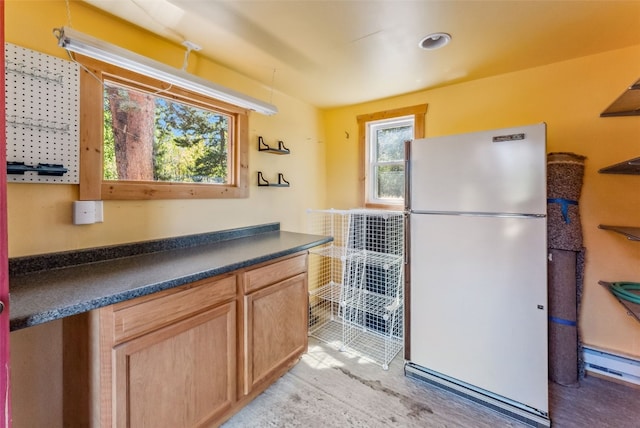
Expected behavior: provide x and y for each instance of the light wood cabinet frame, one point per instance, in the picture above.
(243, 330)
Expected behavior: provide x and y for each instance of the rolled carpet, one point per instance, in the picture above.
(581, 258)
(565, 172)
(563, 318)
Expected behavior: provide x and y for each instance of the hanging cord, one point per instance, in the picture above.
(273, 79)
(151, 16)
(190, 47)
(185, 63)
(622, 290)
(58, 33)
(66, 2)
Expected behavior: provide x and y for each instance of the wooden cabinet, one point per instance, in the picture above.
(275, 321)
(182, 375)
(275, 330)
(189, 356)
(169, 359)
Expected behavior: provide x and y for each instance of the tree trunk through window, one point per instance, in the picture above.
(133, 131)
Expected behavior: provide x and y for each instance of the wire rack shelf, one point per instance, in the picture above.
(356, 283)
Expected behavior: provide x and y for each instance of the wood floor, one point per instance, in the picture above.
(328, 388)
(596, 403)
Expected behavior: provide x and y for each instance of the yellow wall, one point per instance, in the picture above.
(41, 210)
(40, 218)
(569, 97)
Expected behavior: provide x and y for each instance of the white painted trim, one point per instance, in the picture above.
(612, 365)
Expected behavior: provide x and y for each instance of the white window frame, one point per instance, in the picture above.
(371, 156)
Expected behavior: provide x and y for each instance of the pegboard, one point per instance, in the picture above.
(42, 107)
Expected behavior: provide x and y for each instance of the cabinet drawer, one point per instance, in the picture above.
(136, 319)
(274, 272)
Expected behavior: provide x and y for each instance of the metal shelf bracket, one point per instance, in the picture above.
(262, 182)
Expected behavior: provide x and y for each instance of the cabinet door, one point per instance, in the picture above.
(183, 375)
(275, 331)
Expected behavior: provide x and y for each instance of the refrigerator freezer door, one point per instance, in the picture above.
(502, 171)
(479, 302)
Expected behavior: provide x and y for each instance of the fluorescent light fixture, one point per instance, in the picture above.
(83, 44)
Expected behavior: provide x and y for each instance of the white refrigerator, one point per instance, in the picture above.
(477, 296)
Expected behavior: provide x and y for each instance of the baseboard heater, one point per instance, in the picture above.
(510, 408)
(611, 365)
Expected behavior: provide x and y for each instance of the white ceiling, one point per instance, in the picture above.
(332, 53)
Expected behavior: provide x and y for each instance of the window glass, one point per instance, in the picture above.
(142, 138)
(385, 143)
(148, 137)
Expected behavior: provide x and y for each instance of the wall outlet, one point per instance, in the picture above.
(87, 212)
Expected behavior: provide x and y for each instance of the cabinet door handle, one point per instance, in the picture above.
(1, 306)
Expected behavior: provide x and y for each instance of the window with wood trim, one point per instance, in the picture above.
(142, 138)
(382, 136)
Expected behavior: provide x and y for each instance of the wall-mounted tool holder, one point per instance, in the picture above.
(264, 183)
(42, 117)
(264, 147)
(40, 124)
(21, 68)
(48, 169)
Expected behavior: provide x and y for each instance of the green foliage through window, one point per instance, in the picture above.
(386, 140)
(151, 138)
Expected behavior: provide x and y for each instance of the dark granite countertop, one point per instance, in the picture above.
(53, 286)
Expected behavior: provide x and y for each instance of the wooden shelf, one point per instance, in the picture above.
(633, 309)
(632, 233)
(631, 167)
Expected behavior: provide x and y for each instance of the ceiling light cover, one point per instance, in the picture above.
(83, 44)
(435, 41)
